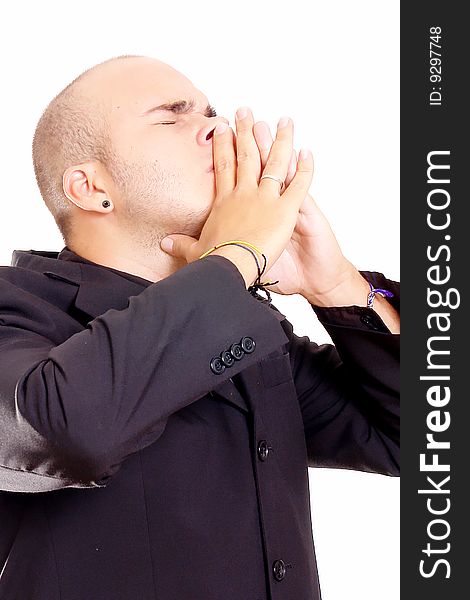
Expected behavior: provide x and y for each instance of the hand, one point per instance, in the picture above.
(312, 263)
(246, 208)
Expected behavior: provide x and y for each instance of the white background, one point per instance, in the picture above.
(334, 68)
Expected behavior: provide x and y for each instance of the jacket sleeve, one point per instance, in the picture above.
(71, 413)
(349, 392)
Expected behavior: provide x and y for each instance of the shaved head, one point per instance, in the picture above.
(72, 129)
(123, 157)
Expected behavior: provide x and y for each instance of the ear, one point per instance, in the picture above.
(85, 186)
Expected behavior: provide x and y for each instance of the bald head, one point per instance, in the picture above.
(123, 156)
(74, 128)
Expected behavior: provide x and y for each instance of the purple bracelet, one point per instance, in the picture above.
(373, 291)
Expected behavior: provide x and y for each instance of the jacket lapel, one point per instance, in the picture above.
(100, 290)
(229, 393)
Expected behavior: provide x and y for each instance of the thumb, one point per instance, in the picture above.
(177, 245)
(309, 206)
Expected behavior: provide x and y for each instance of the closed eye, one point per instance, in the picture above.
(178, 108)
(210, 111)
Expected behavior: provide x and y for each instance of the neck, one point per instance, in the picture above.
(150, 264)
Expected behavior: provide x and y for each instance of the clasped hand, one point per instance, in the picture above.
(302, 251)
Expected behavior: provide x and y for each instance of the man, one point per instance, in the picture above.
(158, 417)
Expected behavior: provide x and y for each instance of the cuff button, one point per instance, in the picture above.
(236, 351)
(227, 358)
(217, 366)
(247, 344)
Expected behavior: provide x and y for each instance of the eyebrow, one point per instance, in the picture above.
(180, 107)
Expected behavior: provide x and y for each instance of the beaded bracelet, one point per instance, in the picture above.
(373, 292)
(257, 285)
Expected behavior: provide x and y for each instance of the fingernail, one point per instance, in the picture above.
(283, 122)
(220, 128)
(304, 154)
(242, 112)
(167, 244)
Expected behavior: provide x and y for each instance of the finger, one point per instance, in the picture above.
(279, 156)
(178, 245)
(225, 161)
(248, 159)
(292, 168)
(298, 187)
(264, 140)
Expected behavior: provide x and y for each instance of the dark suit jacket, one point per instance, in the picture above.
(155, 437)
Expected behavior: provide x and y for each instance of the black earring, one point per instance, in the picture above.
(106, 203)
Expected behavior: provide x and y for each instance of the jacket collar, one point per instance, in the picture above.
(99, 287)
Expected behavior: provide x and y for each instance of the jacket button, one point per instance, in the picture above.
(217, 366)
(247, 344)
(227, 358)
(369, 321)
(236, 351)
(263, 450)
(279, 570)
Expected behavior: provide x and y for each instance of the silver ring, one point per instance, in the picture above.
(278, 179)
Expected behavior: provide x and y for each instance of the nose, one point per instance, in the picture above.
(205, 133)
